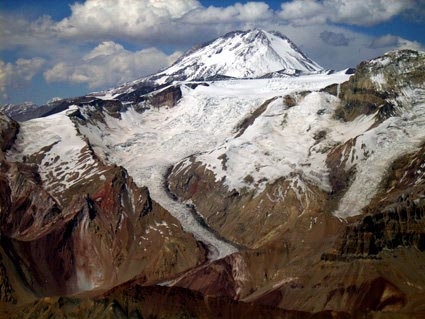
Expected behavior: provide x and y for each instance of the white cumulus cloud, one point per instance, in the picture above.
(124, 18)
(15, 75)
(394, 42)
(249, 12)
(108, 64)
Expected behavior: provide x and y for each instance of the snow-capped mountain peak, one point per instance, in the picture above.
(242, 54)
(238, 54)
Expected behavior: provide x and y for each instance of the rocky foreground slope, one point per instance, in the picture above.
(308, 201)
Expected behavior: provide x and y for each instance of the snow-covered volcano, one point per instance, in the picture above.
(243, 54)
(239, 54)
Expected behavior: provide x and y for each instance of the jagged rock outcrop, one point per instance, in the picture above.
(8, 131)
(97, 240)
(377, 85)
(7, 293)
(166, 97)
(403, 226)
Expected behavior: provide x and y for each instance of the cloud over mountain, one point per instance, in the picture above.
(14, 75)
(109, 63)
(363, 13)
(335, 39)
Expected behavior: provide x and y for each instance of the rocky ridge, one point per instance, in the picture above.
(63, 243)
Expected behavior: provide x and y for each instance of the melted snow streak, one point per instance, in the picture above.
(217, 248)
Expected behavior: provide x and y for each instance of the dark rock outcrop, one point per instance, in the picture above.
(7, 293)
(8, 131)
(377, 84)
(167, 97)
(96, 241)
(403, 226)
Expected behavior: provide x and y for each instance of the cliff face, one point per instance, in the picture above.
(167, 97)
(378, 85)
(8, 131)
(97, 240)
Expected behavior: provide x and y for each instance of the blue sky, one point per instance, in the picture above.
(68, 48)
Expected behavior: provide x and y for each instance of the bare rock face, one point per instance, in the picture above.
(246, 218)
(8, 131)
(97, 240)
(378, 84)
(7, 293)
(165, 97)
(403, 226)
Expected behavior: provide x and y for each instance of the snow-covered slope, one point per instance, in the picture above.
(204, 121)
(253, 53)
(68, 159)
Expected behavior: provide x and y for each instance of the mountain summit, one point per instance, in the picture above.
(242, 54)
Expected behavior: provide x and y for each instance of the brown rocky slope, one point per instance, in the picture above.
(100, 232)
